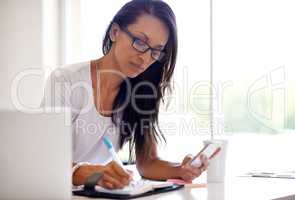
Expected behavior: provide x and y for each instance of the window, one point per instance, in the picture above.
(253, 47)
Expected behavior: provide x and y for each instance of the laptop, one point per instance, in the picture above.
(35, 156)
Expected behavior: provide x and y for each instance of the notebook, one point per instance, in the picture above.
(135, 189)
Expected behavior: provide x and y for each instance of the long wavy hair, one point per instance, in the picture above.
(138, 120)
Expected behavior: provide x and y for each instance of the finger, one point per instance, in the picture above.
(109, 185)
(191, 172)
(119, 170)
(204, 158)
(188, 176)
(205, 163)
(123, 180)
(195, 171)
(106, 184)
(192, 169)
(186, 159)
(109, 178)
(113, 169)
(110, 172)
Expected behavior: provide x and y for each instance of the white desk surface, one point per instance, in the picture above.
(245, 153)
(238, 188)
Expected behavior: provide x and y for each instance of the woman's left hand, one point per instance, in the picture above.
(188, 172)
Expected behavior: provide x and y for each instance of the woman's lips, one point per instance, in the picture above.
(137, 66)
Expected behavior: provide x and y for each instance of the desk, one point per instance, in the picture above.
(236, 188)
(246, 152)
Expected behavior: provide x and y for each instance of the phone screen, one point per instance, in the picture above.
(209, 150)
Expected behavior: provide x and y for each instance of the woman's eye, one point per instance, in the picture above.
(140, 42)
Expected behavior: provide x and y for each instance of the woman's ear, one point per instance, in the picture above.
(114, 32)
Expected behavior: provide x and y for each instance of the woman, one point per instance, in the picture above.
(117, 96)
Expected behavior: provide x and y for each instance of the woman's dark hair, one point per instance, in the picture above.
(139, 118)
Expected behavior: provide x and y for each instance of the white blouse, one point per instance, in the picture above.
(71, 86)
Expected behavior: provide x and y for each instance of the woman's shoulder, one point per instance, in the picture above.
(69, 83)
(73, 72)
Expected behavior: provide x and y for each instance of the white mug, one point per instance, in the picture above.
(216, 191)
(217, 165)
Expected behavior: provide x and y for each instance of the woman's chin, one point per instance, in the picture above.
(133, 74)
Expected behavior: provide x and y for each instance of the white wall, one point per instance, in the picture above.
(29, 40)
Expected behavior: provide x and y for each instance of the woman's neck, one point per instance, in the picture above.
(108, 73)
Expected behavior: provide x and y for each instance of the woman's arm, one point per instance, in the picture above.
(155, 168)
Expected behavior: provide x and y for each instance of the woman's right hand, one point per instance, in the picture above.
(114, 176)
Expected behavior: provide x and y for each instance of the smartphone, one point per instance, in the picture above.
(209, 150)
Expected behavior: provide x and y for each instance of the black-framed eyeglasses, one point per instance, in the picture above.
(143, 47)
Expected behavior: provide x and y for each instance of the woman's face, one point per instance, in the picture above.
(148, 31)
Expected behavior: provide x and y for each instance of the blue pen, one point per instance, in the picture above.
(112, 151)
